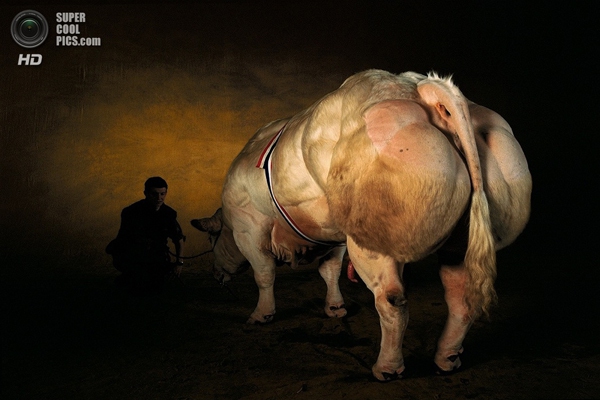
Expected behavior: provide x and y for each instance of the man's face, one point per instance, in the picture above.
(156, 196)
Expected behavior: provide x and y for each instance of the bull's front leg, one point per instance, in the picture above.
(264, 274)
(382, 275)
(459, 321)
(330, 270)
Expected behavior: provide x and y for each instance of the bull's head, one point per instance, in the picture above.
(228, 259)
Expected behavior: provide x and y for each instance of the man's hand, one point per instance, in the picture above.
(177, 269)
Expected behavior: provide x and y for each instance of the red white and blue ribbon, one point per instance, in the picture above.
(264, 162)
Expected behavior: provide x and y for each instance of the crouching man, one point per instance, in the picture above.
(140, 250)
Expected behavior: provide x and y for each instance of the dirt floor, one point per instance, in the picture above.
(79, 336)
(176, 90)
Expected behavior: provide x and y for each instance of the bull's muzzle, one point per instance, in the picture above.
(221, 275)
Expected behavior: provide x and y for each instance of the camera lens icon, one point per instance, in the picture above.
(29, 29)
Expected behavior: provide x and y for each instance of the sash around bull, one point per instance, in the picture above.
(391, 168)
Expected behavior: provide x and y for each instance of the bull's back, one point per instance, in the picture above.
(245, 184)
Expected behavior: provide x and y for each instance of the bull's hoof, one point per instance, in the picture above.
(336, 311)
(260, 321)
(444, 372)
(388, 377)
(391, 377)
(440, 372)
(449, 364)
(385, 376)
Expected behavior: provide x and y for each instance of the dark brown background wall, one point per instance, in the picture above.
(176, 90)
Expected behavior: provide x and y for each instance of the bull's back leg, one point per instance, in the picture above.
(382, 275)
(330, 270)
(459, 321)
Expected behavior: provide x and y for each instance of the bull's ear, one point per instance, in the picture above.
(207, 225)
(197, 223)
(213, 224)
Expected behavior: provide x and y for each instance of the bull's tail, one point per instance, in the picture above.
(452, 112)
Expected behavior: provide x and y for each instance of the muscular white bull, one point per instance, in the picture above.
(395, 167)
